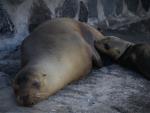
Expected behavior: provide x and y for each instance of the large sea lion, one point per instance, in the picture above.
(56, 53)
(133, 56)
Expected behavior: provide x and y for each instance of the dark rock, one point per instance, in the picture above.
(119, 7)
(4, 80)
(39, 14)
(112, 7)
(6, 25)
(111, 89)
(109, 7)
(83, 14)
(68, 9)
(92, 6)
(133, 33)
(15, 2)
(132, 5)
(141, 26)
(146, 4)
(10, 61)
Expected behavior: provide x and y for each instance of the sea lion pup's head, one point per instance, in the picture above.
(112, 46)
(30, 87)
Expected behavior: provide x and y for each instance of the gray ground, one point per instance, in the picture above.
(111, 89)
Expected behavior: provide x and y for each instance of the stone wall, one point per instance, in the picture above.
(20, 17)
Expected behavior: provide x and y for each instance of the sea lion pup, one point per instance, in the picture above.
(137, 57)
(134, 56)
(112, 46)
(56, 53)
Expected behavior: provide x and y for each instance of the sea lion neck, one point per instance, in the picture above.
(125, 52)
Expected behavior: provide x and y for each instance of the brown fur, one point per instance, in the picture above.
(56, 53)
(137, 57)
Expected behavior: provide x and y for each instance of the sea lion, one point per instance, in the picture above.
(137, 57)
(133, 56)
(112, 46)
(56, 53)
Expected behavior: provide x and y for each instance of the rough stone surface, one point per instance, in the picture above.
(9, 62)
(141, 26)
(83, 13)
(15, 2)
(4, 80)
(132, 5)
(69, 8)
(39, 14)
(110, 7)
(146, 4)
(131, 35)
(23, 16)
(138, 32)
(111, 89)
(119, 7)
(6, 25)
(92, 6)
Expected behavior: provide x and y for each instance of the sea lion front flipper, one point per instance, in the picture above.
(97, 61)
(100, 46)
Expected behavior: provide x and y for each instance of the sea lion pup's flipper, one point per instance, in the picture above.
(112, 46)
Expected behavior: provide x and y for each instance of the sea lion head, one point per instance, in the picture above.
(30, 87)
(112, 46)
